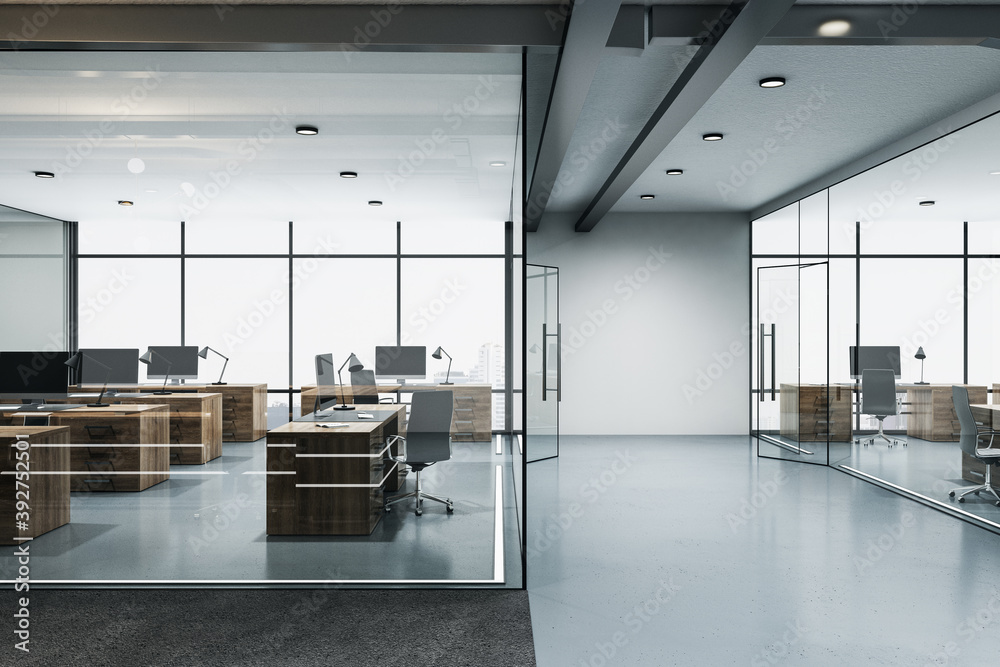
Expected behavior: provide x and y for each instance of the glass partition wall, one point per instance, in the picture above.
(909, 251)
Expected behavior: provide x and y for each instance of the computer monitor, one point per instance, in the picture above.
(42, 372)
(400, 362)
(182, 360)
(874, 357)
(122, 362)
(326, 383)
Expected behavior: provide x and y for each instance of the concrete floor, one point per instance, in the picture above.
(689, 550)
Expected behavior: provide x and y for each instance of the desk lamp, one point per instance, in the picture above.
(921, 356)
(203, 353)
(76, 363)
(353, 365)
(437, 355)
(148, 359)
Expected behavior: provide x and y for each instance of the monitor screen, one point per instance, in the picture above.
(326, 382)
(874, 357)
(182, 360)
(401, 362)
(119, 365)
(42, 372)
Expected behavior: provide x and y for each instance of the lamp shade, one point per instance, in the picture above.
(920, 354)
(203, 353)
(354, 364)
(147, 358)
(437, 353)
(75, 361)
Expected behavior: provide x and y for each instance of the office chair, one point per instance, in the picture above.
(878, 399)
(427, 441)
(969, 441)
(365, 390)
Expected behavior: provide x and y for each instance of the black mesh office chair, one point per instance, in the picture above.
(878, 399)
(969, 441)
(427, 441)
(365, 390)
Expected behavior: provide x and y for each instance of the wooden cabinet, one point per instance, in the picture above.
(471, 421)
(329, 481)
(195, 421)
(47, 496)
(932, 412)
(812, 412)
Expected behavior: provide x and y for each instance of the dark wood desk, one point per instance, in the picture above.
(244, 406)
(47, 495)
(329, 481)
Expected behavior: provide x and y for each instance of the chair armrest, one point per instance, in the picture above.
(387, 399)
(392, 440)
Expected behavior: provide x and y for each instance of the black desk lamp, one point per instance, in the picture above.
(921, 356)
(148, 359)
(76, 363)
(203, 353)
(353, 365)
(437, 355)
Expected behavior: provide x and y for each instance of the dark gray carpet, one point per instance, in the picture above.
(265, 627)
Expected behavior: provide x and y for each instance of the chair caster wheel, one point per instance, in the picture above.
(975, 493)
(961, 500)
(997, 503)
(450, 508)
(418, 511)
(388, 510)
(951, 495)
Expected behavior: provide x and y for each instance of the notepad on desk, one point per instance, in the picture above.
(365, 415)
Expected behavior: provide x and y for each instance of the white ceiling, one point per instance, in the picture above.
(419, 128)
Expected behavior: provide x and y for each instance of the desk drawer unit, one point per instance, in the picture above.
(195, 420)
(811, 413)
(47, 496)
(932, 412)
(472, 419)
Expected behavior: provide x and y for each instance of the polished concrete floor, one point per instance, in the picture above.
(686, 550)
(207, 523)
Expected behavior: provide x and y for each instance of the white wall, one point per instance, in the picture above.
(664, 299)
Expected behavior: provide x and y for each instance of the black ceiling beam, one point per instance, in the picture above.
(724, 42)
(587, 31)
(233, 26)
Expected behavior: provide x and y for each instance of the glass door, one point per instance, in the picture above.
(794, 416)
(543, 382)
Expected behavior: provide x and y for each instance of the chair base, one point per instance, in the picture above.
(987, 486)
(880, 435)
(419, 495)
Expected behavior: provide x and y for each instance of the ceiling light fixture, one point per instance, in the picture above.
(307, 130)
(772, 82)
(43, 174)
(348, 174)
(136, 165)
(374, 202)
(125, 202)
(834, 28)
(927, 202)
(992, 173)
(674, 172)
(647, 196)
(498, 163)
(712, 136)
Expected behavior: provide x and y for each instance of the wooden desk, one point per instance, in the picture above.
(932, 412)
(804, 412)
(48, 495)
(988, 415)
(117, 448)
(352, 458)
(244, 406)
(471, 421)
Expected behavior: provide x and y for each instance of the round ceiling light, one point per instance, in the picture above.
(834, 28)
(712, 136)
(374, 202)
(125, 202)
(307, 130)
(927, 202)
(772, 82)
(348, 174)
(136, 165)
(43, 174)
(647, 196)
(674, 172)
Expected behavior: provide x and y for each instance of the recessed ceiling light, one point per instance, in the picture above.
(772, 82)
(927, 202)
(498, 163)
(125, 202)
(43, 174)
(348, 174)
(151, 191)
(712, 136)
(834, 28)
(307, 130)
(647, 196)
(674, 172)
(374, 202)
(992, 173)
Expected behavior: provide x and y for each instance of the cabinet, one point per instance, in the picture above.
(47, 495)
(811, 412)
